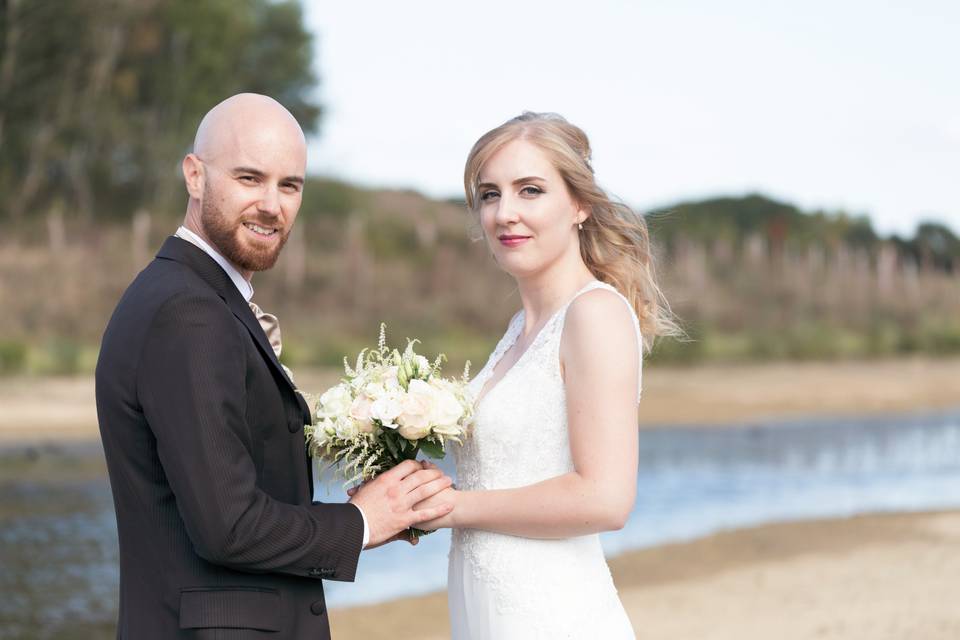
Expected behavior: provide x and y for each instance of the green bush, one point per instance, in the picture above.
(62, 357)
(13, 356)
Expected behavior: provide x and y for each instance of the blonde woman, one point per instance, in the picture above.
(553, 458)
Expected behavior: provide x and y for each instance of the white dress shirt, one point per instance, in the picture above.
(246, 290)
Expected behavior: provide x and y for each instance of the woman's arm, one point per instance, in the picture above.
(600, 361)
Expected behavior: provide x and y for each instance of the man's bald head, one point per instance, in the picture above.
(245, 178)
(246, 117)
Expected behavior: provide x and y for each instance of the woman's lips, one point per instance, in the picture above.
(513, 241)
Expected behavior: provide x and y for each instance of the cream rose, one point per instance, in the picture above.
(360, 411)
(417, 405)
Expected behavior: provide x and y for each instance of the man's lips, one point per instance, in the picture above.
(512, 240)
(261, 230)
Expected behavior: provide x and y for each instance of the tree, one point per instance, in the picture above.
(99, 99)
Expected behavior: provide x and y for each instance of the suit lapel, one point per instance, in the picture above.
(206, 267)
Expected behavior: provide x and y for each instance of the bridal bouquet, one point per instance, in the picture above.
(389, 407)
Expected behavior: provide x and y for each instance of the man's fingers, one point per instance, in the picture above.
(414, 480)
(402, 470)
(429, 489)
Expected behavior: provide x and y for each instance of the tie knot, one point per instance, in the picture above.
(270, 325)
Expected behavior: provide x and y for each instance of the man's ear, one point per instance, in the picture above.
(194, 175)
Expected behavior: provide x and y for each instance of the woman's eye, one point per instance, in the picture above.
(488, 195)
(530, 190)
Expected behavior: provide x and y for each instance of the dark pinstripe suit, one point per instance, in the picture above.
(203, 436)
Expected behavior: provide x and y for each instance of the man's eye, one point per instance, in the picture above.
(488, 195)
(290, 187)
(247, 179)
(530, 190)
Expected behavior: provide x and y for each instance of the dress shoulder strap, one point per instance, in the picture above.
(597, 284)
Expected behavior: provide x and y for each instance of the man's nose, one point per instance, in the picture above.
(270, 202)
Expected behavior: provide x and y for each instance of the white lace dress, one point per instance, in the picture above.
(503, 587)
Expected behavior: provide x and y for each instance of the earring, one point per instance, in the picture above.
(580, 226)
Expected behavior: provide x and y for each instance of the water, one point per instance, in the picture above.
(58, 547)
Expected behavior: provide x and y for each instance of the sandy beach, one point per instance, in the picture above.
(874, 577)
(44, 409)
(877, 577)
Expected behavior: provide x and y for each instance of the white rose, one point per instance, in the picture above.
(447, 409)
(386, 409)
(417, 405)
(413, 432)
(390, 380)
(374, 390)
(346, 428)
(335, 401)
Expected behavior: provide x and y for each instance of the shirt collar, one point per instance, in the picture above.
(243, 285)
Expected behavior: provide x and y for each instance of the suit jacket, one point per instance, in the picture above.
(203, 436)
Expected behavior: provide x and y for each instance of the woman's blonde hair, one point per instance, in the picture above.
(614, 243)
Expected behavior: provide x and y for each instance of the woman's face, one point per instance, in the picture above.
(527, 213)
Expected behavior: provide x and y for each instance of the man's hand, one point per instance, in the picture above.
(387, 501)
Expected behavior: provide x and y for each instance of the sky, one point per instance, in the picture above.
(838, 105)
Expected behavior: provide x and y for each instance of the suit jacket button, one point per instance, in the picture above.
(317, 608)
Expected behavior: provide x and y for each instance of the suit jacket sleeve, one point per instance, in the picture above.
(191, 385)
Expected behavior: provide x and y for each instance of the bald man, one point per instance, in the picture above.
(202, 427)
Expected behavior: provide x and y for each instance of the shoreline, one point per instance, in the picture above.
(39, 410)
(888, 575)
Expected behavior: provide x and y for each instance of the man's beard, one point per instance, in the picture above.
(223, 234)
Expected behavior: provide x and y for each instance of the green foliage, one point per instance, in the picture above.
(13, 356)
(99, 99)
(780, 224)
(323, 197)
(62, 357)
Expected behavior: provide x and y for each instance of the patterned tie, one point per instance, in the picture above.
(270, 325)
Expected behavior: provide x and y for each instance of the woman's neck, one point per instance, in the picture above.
(542, 293)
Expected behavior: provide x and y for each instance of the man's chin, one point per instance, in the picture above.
(258, 258)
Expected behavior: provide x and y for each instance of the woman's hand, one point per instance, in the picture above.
(447, 496)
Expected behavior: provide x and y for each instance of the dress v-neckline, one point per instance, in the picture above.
(484, 391)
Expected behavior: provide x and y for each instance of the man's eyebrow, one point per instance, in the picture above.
(249, 170)
(260, 174)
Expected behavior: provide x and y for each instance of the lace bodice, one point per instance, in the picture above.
(519, 438)
(521, 434)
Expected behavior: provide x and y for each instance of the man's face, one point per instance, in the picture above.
(252, 190)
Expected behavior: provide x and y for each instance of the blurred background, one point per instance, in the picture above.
(796, 165)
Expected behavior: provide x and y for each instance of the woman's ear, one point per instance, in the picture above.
(583, 212)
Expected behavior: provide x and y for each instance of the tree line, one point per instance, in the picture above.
(98, 96)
